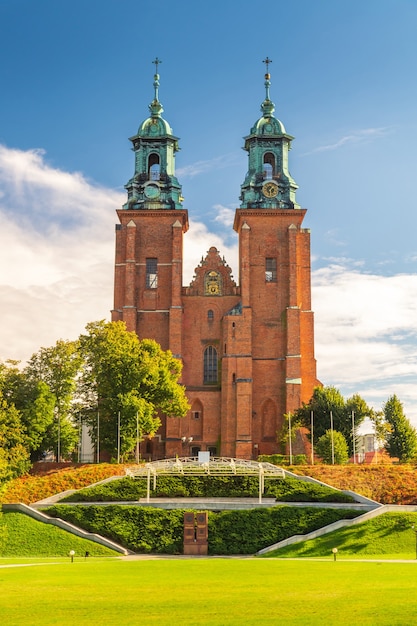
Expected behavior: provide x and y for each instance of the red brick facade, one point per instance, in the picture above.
(260, 332)
(247, 349)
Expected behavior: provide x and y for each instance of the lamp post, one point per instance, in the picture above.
(118, 437)
(331, 433)
(353, 437)
(72, 554)
(334, 550)
(312, 437)
(415, 532)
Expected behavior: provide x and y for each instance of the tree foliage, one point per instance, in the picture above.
(402, 437)
(330, 408)
(332, 448)
(14, 453)
(130, 380)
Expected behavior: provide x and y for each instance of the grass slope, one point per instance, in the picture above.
(388, 536)
(210, 592)
(20, 535)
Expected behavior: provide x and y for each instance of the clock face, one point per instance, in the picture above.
(270, 190)
(152, 191)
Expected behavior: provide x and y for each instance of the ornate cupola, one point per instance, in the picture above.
(154, 185)
(268, 183)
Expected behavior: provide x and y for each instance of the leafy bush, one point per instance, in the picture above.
(130, 489)
(144, 529)
(282, 459)
(140, 529)
(246, 532)
(294, 490)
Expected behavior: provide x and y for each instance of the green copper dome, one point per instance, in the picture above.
(268, 126)
(154, 127)
(154, 184)
(268, 183)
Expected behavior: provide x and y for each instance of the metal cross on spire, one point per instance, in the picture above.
(156, 79)
(267, 61)
(156, 62)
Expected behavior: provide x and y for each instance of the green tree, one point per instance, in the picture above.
(14, 452)
(127, 377)
(58, 367)
(332, 447)
(402, 437)
(328, 405)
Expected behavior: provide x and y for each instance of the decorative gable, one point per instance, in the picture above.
(213, 277)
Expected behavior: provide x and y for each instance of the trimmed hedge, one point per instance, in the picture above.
(145, 529)
(284, 490)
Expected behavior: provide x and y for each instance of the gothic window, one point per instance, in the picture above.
(268, 165)
(212, 450)
(210, 315)
(195, 415)
(270, 270)
(154, 167)
(151, 273)
(210, 365)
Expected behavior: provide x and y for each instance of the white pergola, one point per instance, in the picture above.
(215, 466)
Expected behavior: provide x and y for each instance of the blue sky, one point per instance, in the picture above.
(76, 80)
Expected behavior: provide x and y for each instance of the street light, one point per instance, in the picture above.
(415, 532)
(334, 550)
(72, 554)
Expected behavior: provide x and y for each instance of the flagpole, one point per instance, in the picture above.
(312, 438)
(331, 430)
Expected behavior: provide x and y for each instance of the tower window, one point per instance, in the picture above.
(210, 315)
(151, 273)
(268, 165)
(154, 167)
(210, 365)
(270, 270)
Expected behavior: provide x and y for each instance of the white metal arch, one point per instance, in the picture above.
(216, 466)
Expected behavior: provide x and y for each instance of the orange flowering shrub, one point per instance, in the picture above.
(388, 484)
(28, 489)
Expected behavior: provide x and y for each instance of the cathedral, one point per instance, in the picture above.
(247, 348)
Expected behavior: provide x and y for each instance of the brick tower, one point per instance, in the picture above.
(247, 349)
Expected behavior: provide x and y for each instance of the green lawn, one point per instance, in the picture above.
(21, 536)
(388, 536)
(217, 591)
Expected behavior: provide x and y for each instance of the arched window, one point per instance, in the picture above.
(154, 167)
(210, 315)
(269, 165)
(210, 365)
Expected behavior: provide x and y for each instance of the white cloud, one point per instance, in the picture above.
(56, 260)
(366, 333)
(56, 252)
(225, 215)
(196, 245)
(201, 167)
(355, 137)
